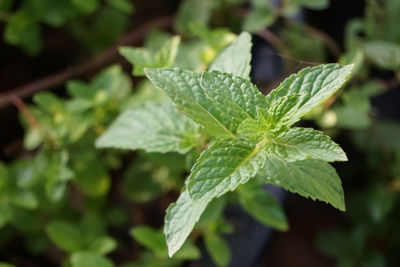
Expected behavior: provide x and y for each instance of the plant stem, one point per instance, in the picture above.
(96, 63)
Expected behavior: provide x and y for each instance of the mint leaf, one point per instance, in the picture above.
(301, 143)
(310, 178)
(262, 205)
(88, 259)
(235, 59)
(238, 96)
(218, 249)
(184, 89)
(151, 239)
(384, 54)
(154, 240)
(180, 220)
(142, 58)
(315, 85)
(224, 166)
(153, 127)
(65, 235)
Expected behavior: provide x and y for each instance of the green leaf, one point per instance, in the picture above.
(142, 58)
(124, 6)
(260, 17)
(65, 235)
(235, 59)
(218, 249)
(315, 85)
(235, 96)
(24, 31)
(88, 259)
(184, 88)
(223, 166)
(103, 245)
(314, 4)
(87, 6)
(384, 54)
(192, 11)
(90, 175)
(180, 220)
(310, 178)
(154, 240)
(153, 127)
(302, 143)
(262, 205)
(25, 199)
(151, 239)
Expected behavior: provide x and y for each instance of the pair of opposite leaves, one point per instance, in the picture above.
(252, 133)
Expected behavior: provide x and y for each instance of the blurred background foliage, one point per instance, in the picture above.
(65, 203)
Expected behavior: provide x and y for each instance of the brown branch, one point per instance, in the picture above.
(30, 119)
(96, 63)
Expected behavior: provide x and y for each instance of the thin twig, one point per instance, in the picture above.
(24, 111)
(98, 62)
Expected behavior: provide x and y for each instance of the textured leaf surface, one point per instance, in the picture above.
(235, 59)
(315, 85)
(233, 92)
(154, 127)
(184, 88)
(301, 143)
(180, 220)
(310, 178)
(224, 166)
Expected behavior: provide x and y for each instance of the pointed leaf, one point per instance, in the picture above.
(301, 143)
(218, 249)
(233, 93)
(183, 87)
(224, 166)
(315, 84)
(180, 220)
(310, 178)
(235, 59)
(153, 127)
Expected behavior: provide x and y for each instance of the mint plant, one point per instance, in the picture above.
(251, 134)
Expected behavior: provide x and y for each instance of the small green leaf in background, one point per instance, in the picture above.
(354, 111)
(88, 259)
(65, 235)
(142, 58)
(384, 54)
(4, 264)
(261, 16)
(218, 249)
(153, 127)
(151, 239)
(124, 6)
(23, 30)
(87, 6)
(103, 245)
(262, 205)
(314, 4)
(192, 11)
(154, 240)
